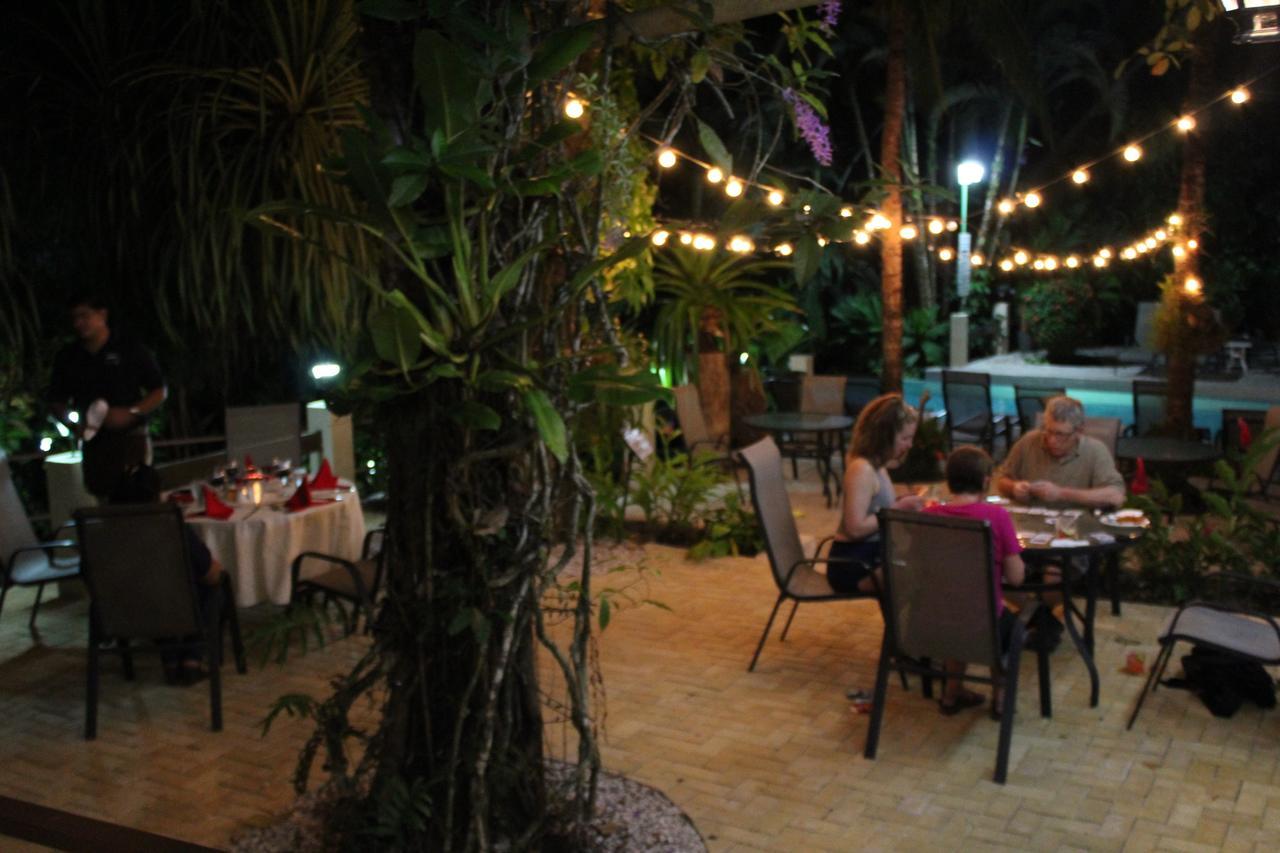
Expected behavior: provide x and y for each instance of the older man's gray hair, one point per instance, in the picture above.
(1067, 410)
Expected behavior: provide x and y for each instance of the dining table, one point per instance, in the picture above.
(827, 432)
(259, 541)
(1077, 540)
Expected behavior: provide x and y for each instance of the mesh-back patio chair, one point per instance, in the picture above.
(794, 572)
(26, 560)
(970, 418)
(355, 582)
(822, 395)
(1105, 430)
(940, 596)
(137, 567)
(265, 433)
(1233, 624)
(693, 426)
(1150, 406)
(1030, 403)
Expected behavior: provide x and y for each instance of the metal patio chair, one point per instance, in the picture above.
(1030, 404)
(970, 418)
(355, 582)
(26, 561)
(823, 395)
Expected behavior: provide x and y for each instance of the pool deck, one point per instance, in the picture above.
(1258, 387)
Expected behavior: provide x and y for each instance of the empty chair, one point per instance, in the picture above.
(693, 426)
(137, 567)
(970, 418)
(794, 573)
(1150, 406)
(822, 395)
(940, 602)
(1030, 404)
(265, 432)
(1225, 626)
(343, 580)
(26, 560)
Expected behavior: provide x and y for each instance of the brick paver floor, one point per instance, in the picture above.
(770, 760)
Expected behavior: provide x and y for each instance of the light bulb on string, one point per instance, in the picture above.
(733, 189)
(1174, 219)
(1080, 176)
(1161, 234)
(862, 238)
(822, 242)
(660, 237)
(1192, 286)
(1179, 251)
(952, 225)
(574, 107)
(846, 212)
(1038, 263)
(1239, 95)
(686, 239)
(1193, 244)
(714, 175)
(783, 249)
(1006, 265)
(936, 226)
(1099, 261)
(976, 260)
(1104, 253)
(1020, 257)
(1005, 207)
(1132, 153)
(776, 198)
(1050, 264)
(1031, 199)
(1150, 243)
(741, 244)
(1072, 262)
(704, 243)
(666, 158)
(1186, 123)
(879, 222)
(1129, 254)
(908, 232)
(945, 254)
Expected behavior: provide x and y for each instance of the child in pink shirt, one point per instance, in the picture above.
(968, 478)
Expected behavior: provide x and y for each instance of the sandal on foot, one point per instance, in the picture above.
(963, 701)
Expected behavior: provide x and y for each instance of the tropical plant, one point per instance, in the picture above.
(1054, 312)
(729, 530)
(855, 325)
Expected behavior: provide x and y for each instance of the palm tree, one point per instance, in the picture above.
(891, 169)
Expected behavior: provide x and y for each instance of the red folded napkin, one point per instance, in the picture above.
(214, 507)
(301, 499)
(1246, 434)
(324, 478)
(1139, 485)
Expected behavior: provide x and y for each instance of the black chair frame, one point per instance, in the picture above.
(365, 591)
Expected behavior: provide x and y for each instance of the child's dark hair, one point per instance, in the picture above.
(138, 485)
(967, 470)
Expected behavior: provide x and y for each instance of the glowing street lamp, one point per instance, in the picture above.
(968, 172)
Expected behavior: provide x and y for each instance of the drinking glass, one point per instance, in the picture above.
(219, 476)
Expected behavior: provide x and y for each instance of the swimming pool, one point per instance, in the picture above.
(1099, 404)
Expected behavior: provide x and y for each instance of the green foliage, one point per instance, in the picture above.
(928, 453)
(1232, 535)
(676, 489)
(731, 530)
(1185, 322)
(1054, 313)
(718, 296)
(855, 324)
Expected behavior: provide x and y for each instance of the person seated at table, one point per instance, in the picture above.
(1058, 465)
(141, 485)
(881, 438)
(968, 480)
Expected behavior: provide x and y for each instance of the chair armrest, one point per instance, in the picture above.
(817, 551)
(381, 533)
(296, 566)
(43, 546)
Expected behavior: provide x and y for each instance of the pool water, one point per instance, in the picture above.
(1099, 404)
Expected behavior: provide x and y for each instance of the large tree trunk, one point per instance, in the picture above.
(1187, 320)
(925, 289)
(993, 184)
(1019, 143)
(890, 242)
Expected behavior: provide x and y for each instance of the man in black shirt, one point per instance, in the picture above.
(121, 373)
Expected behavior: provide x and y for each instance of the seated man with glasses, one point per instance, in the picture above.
(1058, 465)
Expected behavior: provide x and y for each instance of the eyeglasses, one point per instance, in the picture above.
(1060, 434)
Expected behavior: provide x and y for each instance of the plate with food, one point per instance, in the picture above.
(1131, 518)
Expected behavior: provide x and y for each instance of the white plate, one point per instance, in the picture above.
(1130, 522)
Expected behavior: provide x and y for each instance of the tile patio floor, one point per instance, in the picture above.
(770, 760)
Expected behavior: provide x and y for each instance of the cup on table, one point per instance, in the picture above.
(1066, 524)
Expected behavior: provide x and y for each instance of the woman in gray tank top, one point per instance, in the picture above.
(881, 438)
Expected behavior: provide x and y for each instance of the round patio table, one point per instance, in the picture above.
(1092, 542)
(827, 431)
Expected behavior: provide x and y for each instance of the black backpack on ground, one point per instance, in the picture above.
(1224, 681)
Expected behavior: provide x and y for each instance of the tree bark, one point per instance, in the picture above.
(926, 292)
(993, 183)
(890, 241)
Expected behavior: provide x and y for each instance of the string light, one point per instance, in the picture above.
(704, 242)
(666, 158)
(776, 198)
(846, 212)
(574, 107)
(1099, 261)
(741, 244)
(1006, 206)
(879, 222)
(1080, 176)
(862, 238)
(936, 226)
(1239, 95)
(1104, 253)
(714, 175)
(1006, 265)
(1019, 257)
(783, 249)
(1192, 286)
(976, 260)
(908, 232)
(1038, 263)
(945, 254)
(1132, 153)
(660, 237)
(952, 225)
(1186, 124)
(1174, 219)
(1179, 251)
(733, 189)
(823, 241)
(1072, 262)
(1031, 199)
(1193, 244)
(1050, 264)
(686, 239)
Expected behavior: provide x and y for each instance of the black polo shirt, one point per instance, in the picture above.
(122, 373)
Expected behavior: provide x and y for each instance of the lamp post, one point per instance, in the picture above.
(1257, 21)
(967, 172)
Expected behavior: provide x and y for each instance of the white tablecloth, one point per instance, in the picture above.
(257, 546)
